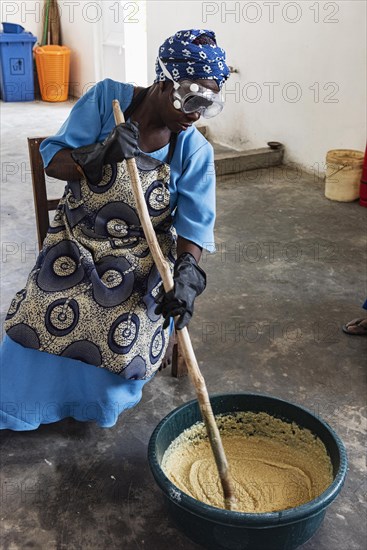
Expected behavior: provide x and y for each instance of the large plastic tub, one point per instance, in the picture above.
(16, 63)
(53, 68)
(218, 529)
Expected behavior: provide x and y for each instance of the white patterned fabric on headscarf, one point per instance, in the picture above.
(193, 54)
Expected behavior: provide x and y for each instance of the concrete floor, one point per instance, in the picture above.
(288, 273)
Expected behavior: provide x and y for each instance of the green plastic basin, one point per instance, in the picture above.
(219, 529)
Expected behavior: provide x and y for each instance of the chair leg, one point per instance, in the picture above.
(179, 367)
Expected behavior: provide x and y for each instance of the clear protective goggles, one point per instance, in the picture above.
(191, 97)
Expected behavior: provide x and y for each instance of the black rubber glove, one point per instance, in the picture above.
(120, 144)
(189, 281)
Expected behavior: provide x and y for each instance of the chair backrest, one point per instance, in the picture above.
(42, 204)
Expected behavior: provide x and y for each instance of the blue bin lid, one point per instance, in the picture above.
(17, 36)
(12, 27)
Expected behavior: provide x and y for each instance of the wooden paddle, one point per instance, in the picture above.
(182, 335)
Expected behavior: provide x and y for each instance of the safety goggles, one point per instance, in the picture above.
(191, 97)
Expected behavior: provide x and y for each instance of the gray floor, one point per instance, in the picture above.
(289, 271)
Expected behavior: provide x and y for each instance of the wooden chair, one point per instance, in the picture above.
(43, 206)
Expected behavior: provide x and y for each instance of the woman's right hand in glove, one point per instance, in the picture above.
(120, 144)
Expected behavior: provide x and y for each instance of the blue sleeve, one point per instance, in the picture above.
(194, 216)
(90, 120)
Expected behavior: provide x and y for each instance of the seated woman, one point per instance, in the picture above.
(86, 334)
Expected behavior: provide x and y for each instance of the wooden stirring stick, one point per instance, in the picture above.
(183, 337)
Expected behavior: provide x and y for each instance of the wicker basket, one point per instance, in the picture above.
(53, 67)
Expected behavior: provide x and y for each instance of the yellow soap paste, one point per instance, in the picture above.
(274, 464)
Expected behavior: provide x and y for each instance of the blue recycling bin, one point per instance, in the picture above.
(16, 63)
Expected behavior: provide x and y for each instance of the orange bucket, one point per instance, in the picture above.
(53, 66)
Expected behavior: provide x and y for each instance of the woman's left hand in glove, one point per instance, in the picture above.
(189, 281)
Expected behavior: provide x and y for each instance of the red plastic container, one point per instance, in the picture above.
(363, 184)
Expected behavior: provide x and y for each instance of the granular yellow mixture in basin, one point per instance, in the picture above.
(274, 464)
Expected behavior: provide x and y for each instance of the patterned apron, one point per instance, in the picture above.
(91, 293)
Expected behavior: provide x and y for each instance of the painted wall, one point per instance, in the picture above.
(302, 71)
(301, 65)
(80, 25)
(27, 13)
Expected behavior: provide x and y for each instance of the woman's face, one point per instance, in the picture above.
(175, 119)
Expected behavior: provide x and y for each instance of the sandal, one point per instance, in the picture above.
(357, 327)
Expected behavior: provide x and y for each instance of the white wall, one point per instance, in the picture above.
(321, 56)
(115, 23)
(79, 25)
(305, 52)
(27, 13)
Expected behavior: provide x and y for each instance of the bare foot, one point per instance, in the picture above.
(167, 359)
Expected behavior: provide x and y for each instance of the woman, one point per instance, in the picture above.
(90, 301)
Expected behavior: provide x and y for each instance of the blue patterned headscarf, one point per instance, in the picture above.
(187, 56)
